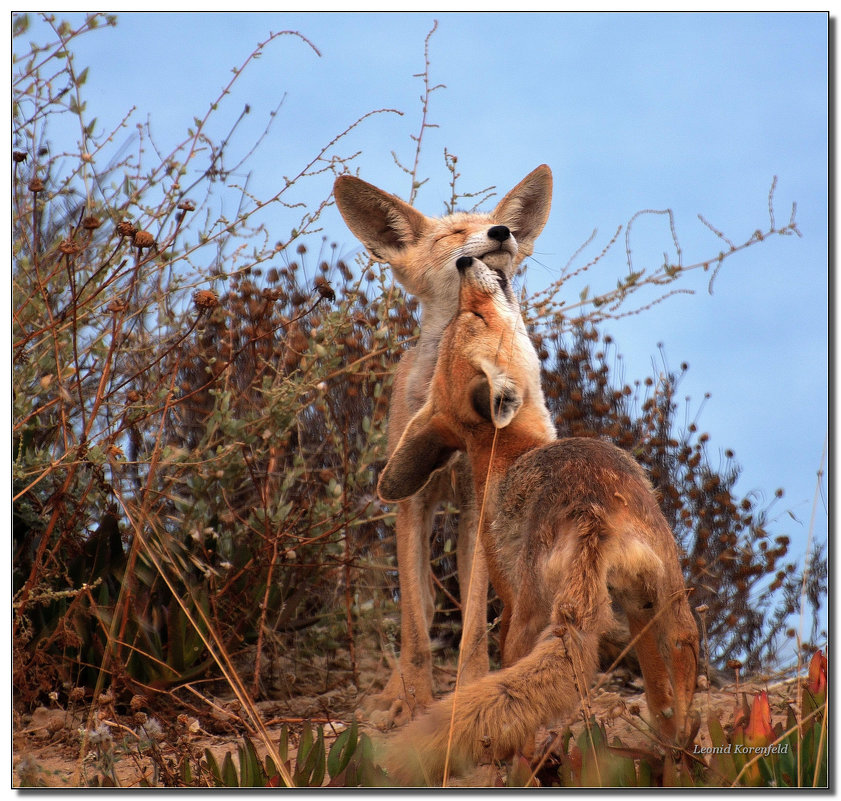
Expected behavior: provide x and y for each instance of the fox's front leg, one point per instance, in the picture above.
(410, 687)
(472, 579)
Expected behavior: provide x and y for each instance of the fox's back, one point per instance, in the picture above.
(565, 480)
(573, 473)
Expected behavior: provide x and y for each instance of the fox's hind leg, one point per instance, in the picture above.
(667, 648)
(655, 674)
(679, 644)
(665, 638)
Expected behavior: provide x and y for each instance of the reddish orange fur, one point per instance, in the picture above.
(568, 524)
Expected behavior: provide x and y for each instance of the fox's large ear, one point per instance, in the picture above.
(426, 446)
(525, 208)
(382, 222)
(494, 396)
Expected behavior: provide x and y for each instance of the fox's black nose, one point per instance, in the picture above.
(463, 262)
(499, 232)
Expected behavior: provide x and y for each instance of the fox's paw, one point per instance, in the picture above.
(397, 713)
(397, 704)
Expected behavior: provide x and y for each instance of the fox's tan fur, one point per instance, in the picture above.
(422, 252)
(567, 524)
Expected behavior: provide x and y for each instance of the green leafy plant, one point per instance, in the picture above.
(348, 763)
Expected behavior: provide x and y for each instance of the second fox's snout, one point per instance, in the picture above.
(463, 262)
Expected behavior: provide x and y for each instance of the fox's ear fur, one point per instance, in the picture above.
(426, 446)
(525, 208)
(382, 222)
(495, 396)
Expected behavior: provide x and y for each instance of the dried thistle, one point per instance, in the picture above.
(91, 223)
(325, 291)
(143, 239)
(125, 228)
(271, 294)
(36, 185)
(205, 299)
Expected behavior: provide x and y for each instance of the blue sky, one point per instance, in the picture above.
(695, 112)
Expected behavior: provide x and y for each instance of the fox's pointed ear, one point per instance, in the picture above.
(495, 397)
(382, 222)
(425, 447)
(525, 208)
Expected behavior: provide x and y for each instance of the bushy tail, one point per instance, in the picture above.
(498, 715)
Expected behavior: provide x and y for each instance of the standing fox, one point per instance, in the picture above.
(567, 524)
(422, 252)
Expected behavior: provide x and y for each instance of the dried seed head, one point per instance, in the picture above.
(18, 156)
(205, 299)
(91, 223)
(125, 228)
(734, 664)
(187, 205)
(132, 396)
(324, 289)
(143, 239)
(68, 247)
(36, 185)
